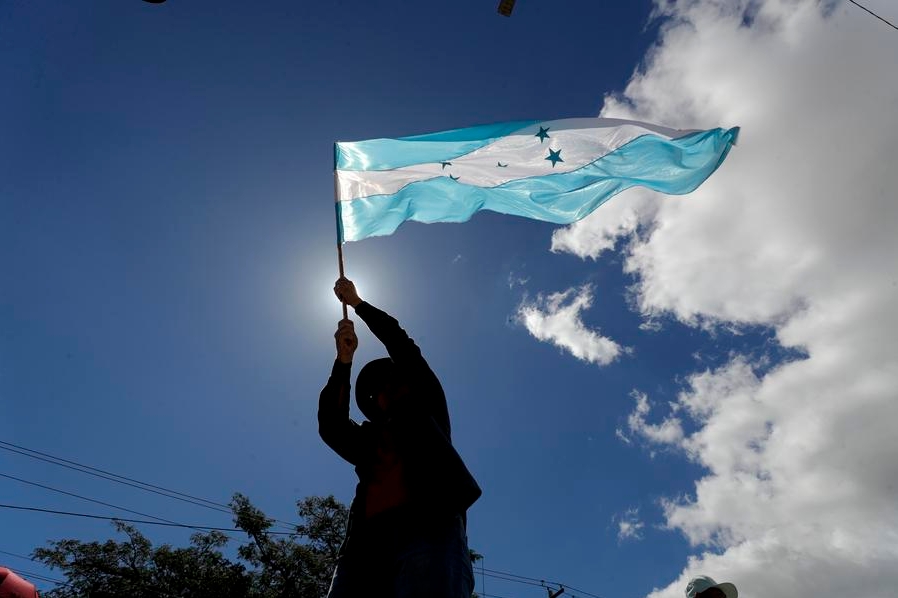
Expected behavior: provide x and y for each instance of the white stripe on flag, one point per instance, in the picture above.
(523, 154)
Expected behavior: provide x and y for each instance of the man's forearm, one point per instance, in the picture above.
(334, 426)
(385, 327)
(334, 399)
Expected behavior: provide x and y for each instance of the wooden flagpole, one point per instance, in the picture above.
(340, 258)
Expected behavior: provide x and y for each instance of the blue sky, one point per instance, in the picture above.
(167, 253)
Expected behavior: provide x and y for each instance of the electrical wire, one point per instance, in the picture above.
(40, 576)
(195, 500)
(874, 14)
(125, 480)
(511, 579)
(93, 500)
(202, 528)
(9, 446)
(32, 574)
(106, 504)
(47, 579)
(491, 573)
(518, 578)
(533, 581)
(18, 556)
(584, 592)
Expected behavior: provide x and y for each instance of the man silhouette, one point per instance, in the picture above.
(406, 535)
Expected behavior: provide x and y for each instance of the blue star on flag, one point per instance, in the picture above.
(543, 133)
(554, 156)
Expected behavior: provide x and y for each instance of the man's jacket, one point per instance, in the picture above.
(436, 477)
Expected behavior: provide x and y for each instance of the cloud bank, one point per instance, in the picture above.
(797, 231)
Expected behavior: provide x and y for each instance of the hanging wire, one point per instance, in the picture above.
(125, 480)
(201, 528)
(874, 14)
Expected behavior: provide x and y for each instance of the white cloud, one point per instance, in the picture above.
(556, 319)
(629, 527)
(623, 437)
(798, 231)
(788, 489)
(515, 279)
(601, 230)
(669, 431)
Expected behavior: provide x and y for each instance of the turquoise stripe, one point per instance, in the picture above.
(386, 154)
(672, 166)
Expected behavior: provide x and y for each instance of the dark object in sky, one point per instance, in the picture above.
(505, 7)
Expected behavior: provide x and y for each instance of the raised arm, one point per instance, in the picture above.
(403, 351)
(334, 426)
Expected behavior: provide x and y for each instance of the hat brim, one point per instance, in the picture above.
(728, 589)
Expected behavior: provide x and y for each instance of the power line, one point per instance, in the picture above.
(496, 574)
(201, 528)
(874, 14)
(139, 485)
(31, 574)
(9, 446)
(492, 573)
(93, 500)
(511, 579)
(543, 581)
(18, 556)
(47, 579)
(584, 592)
(106, 504)
(138, 521)
(40, 576)
(120, 479)
(534, 581)
(546, 585)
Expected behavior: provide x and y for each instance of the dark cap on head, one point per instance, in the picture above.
(373, 378)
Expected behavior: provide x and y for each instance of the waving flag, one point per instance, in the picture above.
(557, 171)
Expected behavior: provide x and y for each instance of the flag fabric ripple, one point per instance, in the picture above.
(558, 171)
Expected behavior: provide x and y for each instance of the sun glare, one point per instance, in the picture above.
(317, 292)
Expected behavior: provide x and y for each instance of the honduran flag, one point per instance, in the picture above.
(557, 171)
